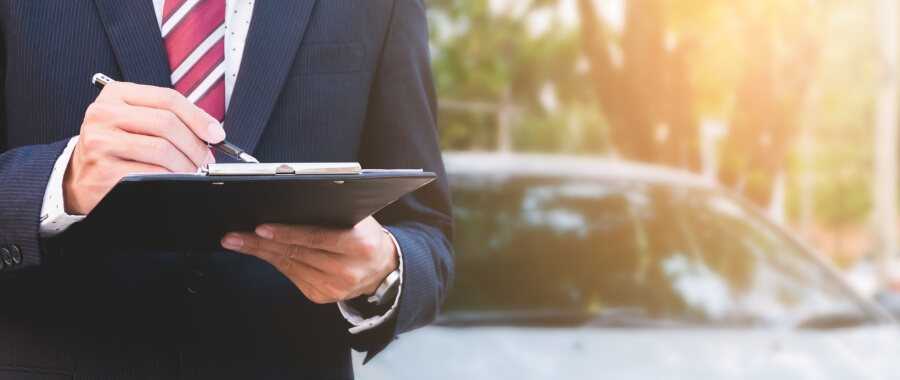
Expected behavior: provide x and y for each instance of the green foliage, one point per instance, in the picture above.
(772, 70)
(482, 54)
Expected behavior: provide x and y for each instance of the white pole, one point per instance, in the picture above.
(504, 123)
(807, 149)
(886, 123)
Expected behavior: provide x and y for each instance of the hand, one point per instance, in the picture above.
(133, 128)
(327, 265)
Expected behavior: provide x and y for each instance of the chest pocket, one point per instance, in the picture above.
(329, 59)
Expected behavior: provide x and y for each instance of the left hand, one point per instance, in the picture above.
(327, 265)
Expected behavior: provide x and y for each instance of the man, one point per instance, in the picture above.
(297, 81)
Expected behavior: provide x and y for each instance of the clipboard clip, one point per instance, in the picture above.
(284, 169)
(305, 168)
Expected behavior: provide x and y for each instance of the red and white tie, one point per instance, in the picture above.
(194, 36)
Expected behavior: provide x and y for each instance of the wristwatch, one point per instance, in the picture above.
(388, 289)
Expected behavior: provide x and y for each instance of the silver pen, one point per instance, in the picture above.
(226, 147)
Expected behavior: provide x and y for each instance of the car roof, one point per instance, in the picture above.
(567, 166)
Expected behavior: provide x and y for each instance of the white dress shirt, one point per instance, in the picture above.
(238, 13)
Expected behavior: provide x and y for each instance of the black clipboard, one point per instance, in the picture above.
(193, 212)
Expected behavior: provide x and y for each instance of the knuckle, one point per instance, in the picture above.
(283, 263)
(95, 112)
(315, 237)
(368, 248)
(87, 142)
(158, 148)
(169, 97)
(349, 275)
(252, 244)
(164, 122)
(291, 252)
(92, 142)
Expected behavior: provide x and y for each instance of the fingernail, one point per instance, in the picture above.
(210, 159)
(216, 132)
(233, 242)
(265, 232)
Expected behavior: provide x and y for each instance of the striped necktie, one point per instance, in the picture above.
(194, 36)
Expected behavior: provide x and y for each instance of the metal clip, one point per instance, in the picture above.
(284, 169)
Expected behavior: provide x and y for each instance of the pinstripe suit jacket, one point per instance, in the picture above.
(326, 80)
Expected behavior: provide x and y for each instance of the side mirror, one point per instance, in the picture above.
(889, 301)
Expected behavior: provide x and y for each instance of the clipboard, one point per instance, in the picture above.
(194, 211)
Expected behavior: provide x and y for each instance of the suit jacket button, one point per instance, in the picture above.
(195, 282)
(16, 254)
(6, 257)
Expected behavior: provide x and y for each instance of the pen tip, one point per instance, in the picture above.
(248, 158)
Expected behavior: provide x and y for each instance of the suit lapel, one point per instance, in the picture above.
(136, 40)
(276, 30)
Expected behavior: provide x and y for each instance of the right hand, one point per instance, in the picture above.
(133, 128)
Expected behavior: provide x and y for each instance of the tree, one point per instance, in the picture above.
(488, 58)
(641, 79)
(661, 85)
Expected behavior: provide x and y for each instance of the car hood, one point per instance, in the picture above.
(557, 353)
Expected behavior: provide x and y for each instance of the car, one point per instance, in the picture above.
(579, 268)
(863, 277)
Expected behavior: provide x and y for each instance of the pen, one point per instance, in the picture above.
(228, 148)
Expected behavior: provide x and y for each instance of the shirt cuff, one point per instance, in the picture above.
(54, 219)
(353, 316)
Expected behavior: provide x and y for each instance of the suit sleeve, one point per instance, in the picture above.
(401, 132)
(24, 173)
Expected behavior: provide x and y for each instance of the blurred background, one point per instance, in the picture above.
(774, 99)
(666, 189)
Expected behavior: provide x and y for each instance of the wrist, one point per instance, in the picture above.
(70, 200)
(391, 264)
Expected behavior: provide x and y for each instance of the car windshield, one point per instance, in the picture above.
(535, 251)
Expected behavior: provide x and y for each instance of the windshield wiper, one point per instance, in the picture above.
(616, 317)
(832, 321)
(638, 318)
(547, 318)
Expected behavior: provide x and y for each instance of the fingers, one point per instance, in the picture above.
(309, 280)
(130, 123)
(321, 286)
(202, 124)
(328, 239)
(149, 150)
(338, 263)
(163, 123)
(110, 114)
(324, 261)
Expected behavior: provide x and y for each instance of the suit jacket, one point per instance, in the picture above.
(326, 80)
